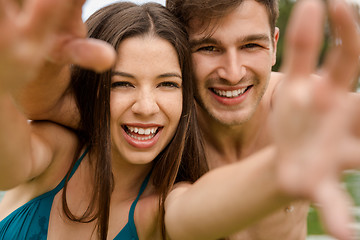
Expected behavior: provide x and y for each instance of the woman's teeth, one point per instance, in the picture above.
(147, 133)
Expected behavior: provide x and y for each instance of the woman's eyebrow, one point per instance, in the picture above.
(122, 74)
(164, 75)
(170, 74)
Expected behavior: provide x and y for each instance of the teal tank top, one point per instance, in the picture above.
(31, 221)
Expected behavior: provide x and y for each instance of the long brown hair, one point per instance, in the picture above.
(183, 159)
(205, 11)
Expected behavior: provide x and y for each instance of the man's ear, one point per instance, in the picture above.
(275, 41)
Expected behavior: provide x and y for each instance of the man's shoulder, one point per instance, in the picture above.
(275, 79)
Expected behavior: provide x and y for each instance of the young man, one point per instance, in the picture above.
(233, 56)
(233, 47)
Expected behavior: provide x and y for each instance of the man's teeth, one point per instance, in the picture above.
(147, 132)
(230, 94)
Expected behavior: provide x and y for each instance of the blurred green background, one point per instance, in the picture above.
(285, 7)
(352, 185)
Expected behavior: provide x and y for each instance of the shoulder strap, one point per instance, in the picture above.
(73, 170)
(131, 221)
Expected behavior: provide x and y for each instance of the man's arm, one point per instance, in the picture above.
(226, 199)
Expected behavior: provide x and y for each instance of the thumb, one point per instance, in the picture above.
(91, 54)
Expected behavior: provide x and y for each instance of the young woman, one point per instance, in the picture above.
(137, 137)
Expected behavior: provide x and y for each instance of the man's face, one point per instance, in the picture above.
(232, 62)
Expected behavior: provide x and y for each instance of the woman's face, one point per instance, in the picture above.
(145, 100)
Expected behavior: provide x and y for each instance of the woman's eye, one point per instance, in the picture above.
(121, 84)
(169, 85)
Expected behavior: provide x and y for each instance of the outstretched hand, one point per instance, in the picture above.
(314, 118)
(46, 30)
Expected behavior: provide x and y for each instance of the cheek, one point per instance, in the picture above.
(259, 63)
(118, 104)
(172, 106)
(201, 66)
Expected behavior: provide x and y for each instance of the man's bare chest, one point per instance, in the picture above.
(288, 223)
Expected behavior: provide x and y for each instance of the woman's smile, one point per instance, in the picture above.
(141, 137)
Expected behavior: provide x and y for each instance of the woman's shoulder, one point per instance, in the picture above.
(148, 213)
(146, 217)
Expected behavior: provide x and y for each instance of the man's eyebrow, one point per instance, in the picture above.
(164, 75)
(201, 41)
(210, 40)
(256, 37)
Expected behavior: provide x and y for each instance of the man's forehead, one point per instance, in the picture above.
(207, 25)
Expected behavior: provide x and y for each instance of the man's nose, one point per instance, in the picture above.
(231, 68)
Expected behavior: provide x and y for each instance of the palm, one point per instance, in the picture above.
(43, 30)
(313, 116)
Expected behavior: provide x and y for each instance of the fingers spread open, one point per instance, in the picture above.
(354, 105)
(38, 17)
(3, 8)
(43, 17)
(335, 210)
(71, 19)
(7, 9)
(303, 38)
(343, 61)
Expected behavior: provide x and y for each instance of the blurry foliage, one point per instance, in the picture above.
(285, 7)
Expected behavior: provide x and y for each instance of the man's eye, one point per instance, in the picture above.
(121, 84)
(251, 45)
(169, 85)
(207, 49)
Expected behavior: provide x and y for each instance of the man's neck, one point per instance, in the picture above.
(225, 144)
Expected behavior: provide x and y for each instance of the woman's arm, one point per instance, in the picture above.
(29, 32)
(16, 153)
(59, 42)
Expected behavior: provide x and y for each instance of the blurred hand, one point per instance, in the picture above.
(46, 30)
(314, 117)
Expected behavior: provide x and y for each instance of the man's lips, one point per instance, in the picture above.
(230, 93)
(230, 97)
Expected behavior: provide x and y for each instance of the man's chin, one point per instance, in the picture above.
(229, 119)
(226, 117)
